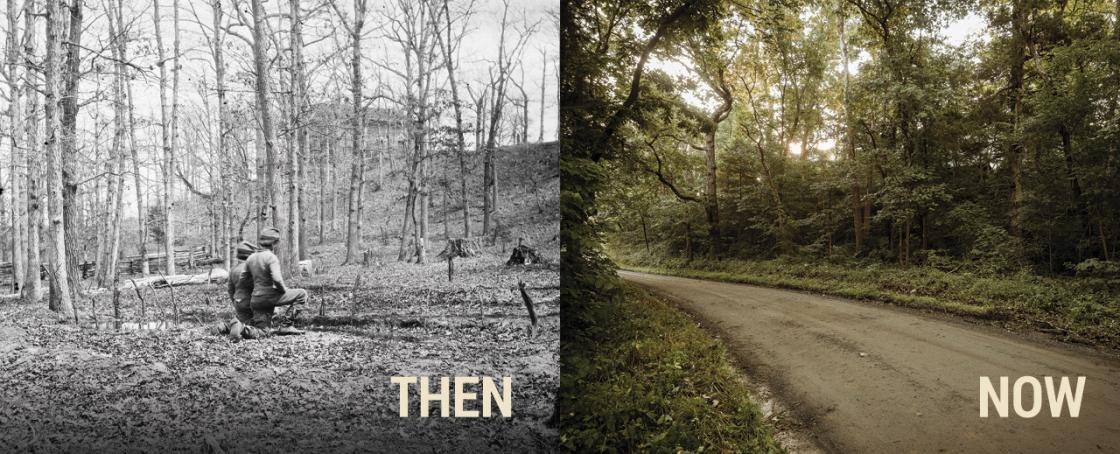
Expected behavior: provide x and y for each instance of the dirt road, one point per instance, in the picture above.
(872, 378)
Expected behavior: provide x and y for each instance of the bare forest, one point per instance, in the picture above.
(406, 152)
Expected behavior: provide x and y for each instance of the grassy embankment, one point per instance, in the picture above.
(1083, 310)
(652, 380)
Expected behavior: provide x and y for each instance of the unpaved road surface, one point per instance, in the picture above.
(916, 388)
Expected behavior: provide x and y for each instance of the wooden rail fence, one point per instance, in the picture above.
(132, 265)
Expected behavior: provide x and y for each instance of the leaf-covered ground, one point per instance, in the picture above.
(67, 387)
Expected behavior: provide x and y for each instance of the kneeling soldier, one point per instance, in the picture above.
(240, 326)
(263, 285)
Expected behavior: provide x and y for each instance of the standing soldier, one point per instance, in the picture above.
(263, 285)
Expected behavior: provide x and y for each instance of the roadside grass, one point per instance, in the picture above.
(1083, 309)
(651, 380)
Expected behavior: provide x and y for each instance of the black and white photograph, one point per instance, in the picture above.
(279, 226)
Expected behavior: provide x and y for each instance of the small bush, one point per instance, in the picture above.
(1097, 267)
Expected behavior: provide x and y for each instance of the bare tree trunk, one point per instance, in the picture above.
(422, 190)
(487, 187)
(223, 129)
(414, 28)
(165, 136)
(301, 199)
(450, 49)
(323, 166)
(357, 166)
(544, 78)
(479, 134)
(60, 284)
(261, 68)
(107, 259)
(424, 57)
(105, 228)
(479, 120)
(381, 151)
(295, 170)
(409, 201)
(117, 210)
(33, 287)
(141, 209)
(69, 78)
(332, 178)
(98, 213)
(260, 189)
(169, 219)
(409, 205)
(523, 137)
(19, 210)
(118, 141)
(507, 57)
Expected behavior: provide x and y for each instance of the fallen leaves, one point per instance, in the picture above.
(176, 388)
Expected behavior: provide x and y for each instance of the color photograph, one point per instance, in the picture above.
(840, 226)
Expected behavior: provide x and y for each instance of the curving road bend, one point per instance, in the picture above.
(874, 378)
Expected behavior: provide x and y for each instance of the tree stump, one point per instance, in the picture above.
(456, 247)
(523, 255)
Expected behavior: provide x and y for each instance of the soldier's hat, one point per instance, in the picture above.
(245, 249)
(269, 236)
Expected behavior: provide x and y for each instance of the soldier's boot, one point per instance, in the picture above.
(288, 331)
(252, 332)
(286, 322)
(221, 328)
(235, 330)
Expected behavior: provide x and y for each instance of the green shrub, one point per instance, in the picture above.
(650, 380)
(1084, 308)
(1097, 267)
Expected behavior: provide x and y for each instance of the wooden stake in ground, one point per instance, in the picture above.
(156, 303)
(354, 294)
(528, 303)
(174, 303)
(143, 304)
(116, 294)
(456, 247)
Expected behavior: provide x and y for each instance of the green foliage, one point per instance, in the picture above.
(946, 154)
(656, 382)
(1095, 267)
(1078, 309)
(600, 114)
(972, 166)
(995, 252)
